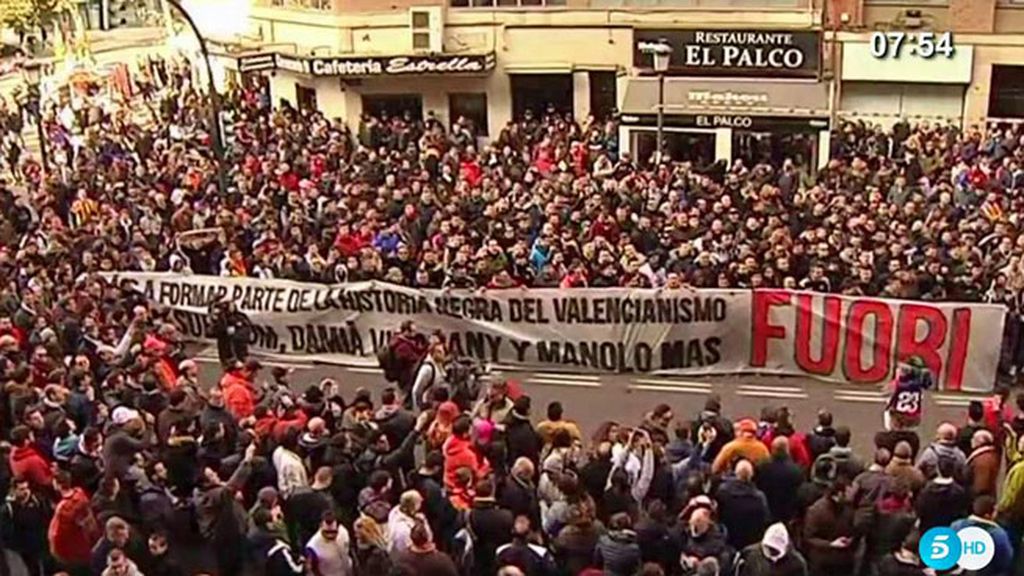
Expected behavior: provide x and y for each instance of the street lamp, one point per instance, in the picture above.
(661, 53)
(215, 129)
(33, 77)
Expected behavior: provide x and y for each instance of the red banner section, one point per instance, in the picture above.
(862, 340)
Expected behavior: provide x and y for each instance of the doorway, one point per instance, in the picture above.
(392, 105)
(539, 92)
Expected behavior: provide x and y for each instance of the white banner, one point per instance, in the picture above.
(610, 330)
(855, 339)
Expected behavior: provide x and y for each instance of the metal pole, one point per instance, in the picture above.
(661, 117)
(44, 153)
(215, 133)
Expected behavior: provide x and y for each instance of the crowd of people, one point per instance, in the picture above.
(123, 462)
(920, 212)
(111, 470)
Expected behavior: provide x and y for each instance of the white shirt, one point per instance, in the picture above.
(291, 472)
(332, 556)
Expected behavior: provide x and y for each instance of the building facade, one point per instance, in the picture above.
(746, 78)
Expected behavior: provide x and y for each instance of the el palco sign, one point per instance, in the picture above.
(740, 53)
(389, 66)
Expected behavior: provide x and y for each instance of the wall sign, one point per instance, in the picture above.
(435, 64)
(737, 121)
(255, 63)
(775, 53)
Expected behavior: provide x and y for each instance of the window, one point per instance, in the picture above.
(1006, 95)
(420, 30)
(305, 97)
(472, 107)
(602, 94)
(541, 94)
(392, 105)
(505, 3)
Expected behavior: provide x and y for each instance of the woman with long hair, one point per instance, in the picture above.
(371, 547)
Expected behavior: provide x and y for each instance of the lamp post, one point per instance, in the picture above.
(661, 53)
(34, 77)
(216, 138)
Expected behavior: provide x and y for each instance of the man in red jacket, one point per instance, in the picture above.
(73, 529)
(239, 390)
(28, 463)
(459, 452)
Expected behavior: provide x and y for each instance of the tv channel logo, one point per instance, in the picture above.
(970, 548)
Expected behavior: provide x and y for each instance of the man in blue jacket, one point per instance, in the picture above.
(984, 513)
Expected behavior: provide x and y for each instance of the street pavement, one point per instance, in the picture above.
(591, 399)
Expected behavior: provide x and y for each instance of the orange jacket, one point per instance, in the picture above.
(239, 396)
(746, 447)
(460, 453)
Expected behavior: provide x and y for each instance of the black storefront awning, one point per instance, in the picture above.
(386, 66)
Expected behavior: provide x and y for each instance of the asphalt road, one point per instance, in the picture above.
(591, 399)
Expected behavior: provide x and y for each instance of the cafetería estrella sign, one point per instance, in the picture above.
(739, 53)
(370, 66)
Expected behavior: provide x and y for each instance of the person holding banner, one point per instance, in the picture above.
(232, 329)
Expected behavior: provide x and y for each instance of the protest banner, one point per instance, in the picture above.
(619, 330)
(612, 330)
(862, 340)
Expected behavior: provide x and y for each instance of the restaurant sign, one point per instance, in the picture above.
(732, 53)
(370, 66)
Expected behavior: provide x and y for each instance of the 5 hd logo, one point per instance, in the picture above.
(971, 548)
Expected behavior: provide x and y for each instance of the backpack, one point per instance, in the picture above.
(389, 363)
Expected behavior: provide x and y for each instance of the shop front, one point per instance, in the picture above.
(886, 90)
(723, 120)
(447, 86)
(754, 95)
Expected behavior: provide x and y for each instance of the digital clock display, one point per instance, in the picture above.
(926, 45)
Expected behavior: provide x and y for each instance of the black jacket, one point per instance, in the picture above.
(892, 566)
(532, 559)
(440, 513)
(522, 440)
(491, 527)
(820, 440)
(752, 562)
(743, 511)
(780, 479)
(303, 509)
(940, 504)
(711, 544)
(618, 553)
(24, 524)
(86, 471)
(396, 426)
(520, 498)
(275, 555)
